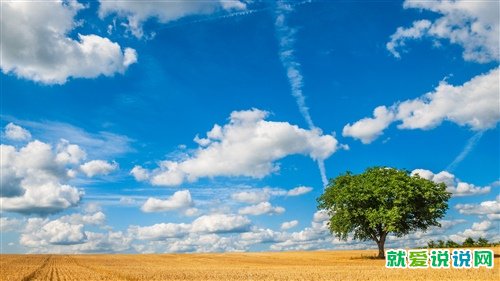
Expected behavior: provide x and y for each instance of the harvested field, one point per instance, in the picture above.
(321, 265)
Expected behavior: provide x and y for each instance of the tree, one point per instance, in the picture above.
(482, 242)
(382, 201)
(469, 242)
(431, 244)
(452, 244)
(441, 244)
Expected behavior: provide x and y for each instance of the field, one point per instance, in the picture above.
(320, 265)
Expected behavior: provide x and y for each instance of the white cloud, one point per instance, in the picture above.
(98, 218)
(419, 29)
(300, 190)
(453, 184)
(99, 145)
(139, 173)
(35, 44)
(471, 143)
(286, 39)
(256, 196)
(473, 25)
(68, 153)
(289, 224)
(98, 167)
(260, 235)
(127, 201)
(17, 133)
(40, 232)
(214, 223)
(490, 209)
(191, 212)
(473, 104)
(179, 200)
(483, 229)
(160, 231)
(203, 243)
(264, 208)
(109, 242)
(320, 216)
(251, 197)
(137, 13)
(67, 234)
(316, 236)
(368, 129)
(9, 224)
(247, 146)
(32, 178)
(220, 223)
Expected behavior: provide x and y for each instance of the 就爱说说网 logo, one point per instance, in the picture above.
(439, 258)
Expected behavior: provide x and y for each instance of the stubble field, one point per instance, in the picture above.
(320, 265)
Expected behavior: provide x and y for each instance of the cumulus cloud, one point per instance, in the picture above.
(97, 218)
(256, 196)
(289, 224)
(16, 133)
(67, 234)
(42, 232)
(473, 25)
(208, 243)
(137, 13)
(490, 209)
(260, 235)
(314, 237)
(473, 104)
(36, 45)
(251, 197)
(369, 129)
(483, 229)
(98, 145)
(179, 200)
(300, 190)
(247, 146)
(220, 223)
(139, 173)
(453, 184)
(32, 178)
(99, 242)
(214, 223)
(159, 231)
(98, 167)
(9, 224)
(264, 208)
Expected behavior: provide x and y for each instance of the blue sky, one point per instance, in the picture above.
(203, 126)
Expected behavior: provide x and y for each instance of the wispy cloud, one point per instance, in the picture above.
(100, 144)
(286, 38)
(471, 143)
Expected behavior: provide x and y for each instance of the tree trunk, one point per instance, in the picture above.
(381, 253)
(380, 244)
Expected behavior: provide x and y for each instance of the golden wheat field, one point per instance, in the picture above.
(319, 265)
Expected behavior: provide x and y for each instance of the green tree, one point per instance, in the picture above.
(382, 201)
(482, 242)
(431, 244)
(441, 244)
(469, 242)
(452, 244)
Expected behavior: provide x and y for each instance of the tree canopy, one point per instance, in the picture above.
(381, 201)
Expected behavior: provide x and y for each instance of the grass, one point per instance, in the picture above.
(317, 265)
